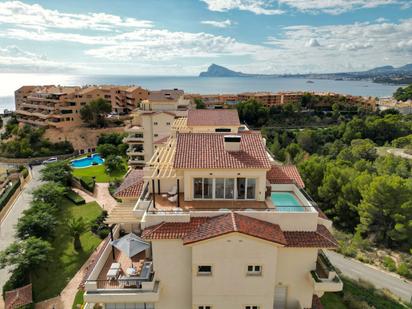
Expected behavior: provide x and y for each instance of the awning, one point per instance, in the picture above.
(130, 244)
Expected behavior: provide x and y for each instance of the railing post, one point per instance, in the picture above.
(153, 193)
(178, 193)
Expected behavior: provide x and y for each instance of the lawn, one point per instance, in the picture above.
(99, 171)
(64, 262)
(78, 300)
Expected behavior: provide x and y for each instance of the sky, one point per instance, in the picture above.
(183, 37)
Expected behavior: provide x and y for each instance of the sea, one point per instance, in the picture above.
(9, 82)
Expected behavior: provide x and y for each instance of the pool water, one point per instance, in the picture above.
(95, 159)
(286, 201)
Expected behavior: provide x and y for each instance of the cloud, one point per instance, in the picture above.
(275, 7)
(35, 16)
(259, 7)
(312, 43)
(218, 24)
(335, 7)
(14, 59)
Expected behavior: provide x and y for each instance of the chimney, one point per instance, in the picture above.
(232, 142)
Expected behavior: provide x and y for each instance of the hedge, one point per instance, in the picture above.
(8, 194)
(75, 198)
(88, 183)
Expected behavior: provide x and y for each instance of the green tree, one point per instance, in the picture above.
(312, 171)
(59, 172)
(26, 254)
(403, 93)
(200, 104)
(393, 165)
(76, 227)
(107, 150)
(253, 113)
(114, 163)
(95, 111)
(386, 211)
(307, 140)
(50, 193)
(113, 138)
(40, 224)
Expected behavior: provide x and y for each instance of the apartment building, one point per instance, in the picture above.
(59, 107)
(165, 100)
(45, 106)
(269, 99)
(218, 225)
(215, 101)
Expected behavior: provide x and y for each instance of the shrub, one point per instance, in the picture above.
(88, 183)
(403, 270)
(75, 198)
(389, 263)
(100, 228)
(24, 172)
(8, 194)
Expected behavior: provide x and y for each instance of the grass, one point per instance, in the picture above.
(99, 171)
(359, 292)
(50, 280)
(78, 300)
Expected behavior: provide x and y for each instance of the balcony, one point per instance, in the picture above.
(107, 286)
(135, 151)
(325, 278)
(133, 138)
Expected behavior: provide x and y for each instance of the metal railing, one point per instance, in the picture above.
(281, 208)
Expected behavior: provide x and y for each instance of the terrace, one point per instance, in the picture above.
(120, 277)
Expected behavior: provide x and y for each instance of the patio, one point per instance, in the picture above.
(163, 204)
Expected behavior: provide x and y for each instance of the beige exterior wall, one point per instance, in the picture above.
(259, 174)
(229, 286)
(172, 265)
(155, 126)
(293, 271)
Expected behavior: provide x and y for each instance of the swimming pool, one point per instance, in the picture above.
(286, 201)
(94, 159)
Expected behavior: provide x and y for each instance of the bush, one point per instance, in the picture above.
(75, 198)
(87, 183)
(100, 228)
(389, 263)
(24, 172)
(17, 279)
(8, 194)
(403, 270)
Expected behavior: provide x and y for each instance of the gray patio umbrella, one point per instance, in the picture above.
(130, 244)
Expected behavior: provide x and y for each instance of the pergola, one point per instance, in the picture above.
(180, 125)
(161, 167)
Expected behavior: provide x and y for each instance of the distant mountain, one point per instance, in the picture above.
(383, 74)
(215, 70)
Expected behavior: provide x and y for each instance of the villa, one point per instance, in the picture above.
(219, 224)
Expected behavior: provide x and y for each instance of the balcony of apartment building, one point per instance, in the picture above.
(135, 150)
(324, 278)
(32, 121)
(122, 273)
(134, 137)
(136, 160)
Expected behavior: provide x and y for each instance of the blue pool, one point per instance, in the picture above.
(286, 201)
(95, 159)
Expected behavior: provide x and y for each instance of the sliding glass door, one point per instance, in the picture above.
(224, 188)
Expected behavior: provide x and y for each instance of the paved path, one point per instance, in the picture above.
(380, 279)
(7, 228)
(103, 197)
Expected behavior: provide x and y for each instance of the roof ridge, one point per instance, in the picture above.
(156, 228)
(234, 222)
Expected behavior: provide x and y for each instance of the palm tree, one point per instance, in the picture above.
(76, 227)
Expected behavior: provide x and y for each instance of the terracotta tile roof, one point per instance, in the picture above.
(18, 297)
(172, 230)
(202, 228)
(233, 222)
(282, 174)
(321, 238)
(206, 150)
(213, 117)
(132, 185)
(165, 95)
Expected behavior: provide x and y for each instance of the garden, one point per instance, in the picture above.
(56, 235)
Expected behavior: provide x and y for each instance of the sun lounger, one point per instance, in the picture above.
(173, 199)
(173, 191)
